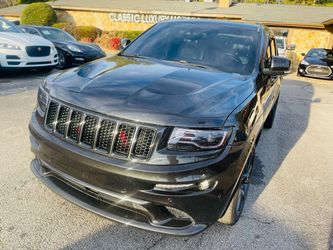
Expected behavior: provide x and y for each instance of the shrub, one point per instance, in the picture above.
(38, 14)
(29, 1)
(86, 40)
(86, 31)
(104, 39)
(61, 25)
(111, 39)
(130, 34)
(115, 43)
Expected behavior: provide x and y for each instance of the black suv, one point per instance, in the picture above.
(161, 136)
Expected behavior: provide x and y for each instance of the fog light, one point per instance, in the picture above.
(173, 187)
(203, 185)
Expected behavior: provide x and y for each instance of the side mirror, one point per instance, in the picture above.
(303, 54)
(291, 47)
(279, 66)
(124, 43)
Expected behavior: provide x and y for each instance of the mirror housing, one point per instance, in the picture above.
(303, 54)
(279, 66)
(124, 43)
(291, 47)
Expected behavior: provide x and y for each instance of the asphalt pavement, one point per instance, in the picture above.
(290, 204)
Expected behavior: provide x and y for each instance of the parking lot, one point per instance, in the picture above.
(290, 204)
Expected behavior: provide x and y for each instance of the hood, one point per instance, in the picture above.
(319, 61)
(85, 47)
(23, 39)
(152, 92)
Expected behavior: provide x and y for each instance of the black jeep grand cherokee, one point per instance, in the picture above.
(162, 135)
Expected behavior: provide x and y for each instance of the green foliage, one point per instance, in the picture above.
(130, 34)
(111, 39)
(86, 32)
(38, 14)
(29, 1)
(61, 25)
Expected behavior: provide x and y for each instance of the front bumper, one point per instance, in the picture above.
(113, 206)
(20, 59)
(118, 190)
(79, 60)
(303, 72)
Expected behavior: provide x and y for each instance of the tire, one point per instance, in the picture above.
(45, 69)
(236, 205)
(270, 118)
(63, 60)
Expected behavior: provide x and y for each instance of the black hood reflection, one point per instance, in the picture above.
(153, 92)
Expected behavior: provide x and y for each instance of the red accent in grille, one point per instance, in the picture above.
(122, 136)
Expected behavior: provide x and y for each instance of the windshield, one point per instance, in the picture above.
(217, 46)
(6, 26)
(279, 43)
(321, 53)
(56, 35)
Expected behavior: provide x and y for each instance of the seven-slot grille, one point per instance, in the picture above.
(96, 132)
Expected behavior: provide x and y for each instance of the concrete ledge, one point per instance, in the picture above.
(185, 14)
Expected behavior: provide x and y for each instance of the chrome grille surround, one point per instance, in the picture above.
(99, 133)
(318, 70)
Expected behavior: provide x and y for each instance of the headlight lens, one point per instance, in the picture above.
(305, 62)
(183, 139)
(42, 99)
(74, 48)
(9, 46)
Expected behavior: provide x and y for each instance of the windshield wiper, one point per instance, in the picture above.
(193, 64)
(132, 55)
(189, 63)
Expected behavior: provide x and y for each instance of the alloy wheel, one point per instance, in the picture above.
(244, 187)
(61, 60)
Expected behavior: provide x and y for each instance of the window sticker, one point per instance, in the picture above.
(46, 32)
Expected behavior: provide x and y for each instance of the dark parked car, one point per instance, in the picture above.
(161, 136)
(317, 63)
(71, 52)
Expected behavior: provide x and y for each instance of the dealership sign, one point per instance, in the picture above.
(141, 18)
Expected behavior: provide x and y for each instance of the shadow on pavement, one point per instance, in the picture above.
(291, 121)
(15, 81)
(22, 73)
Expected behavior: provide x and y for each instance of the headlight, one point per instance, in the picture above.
(183, 139)
(42, 99)
(9, 46)
(74, 48)
(305, 62)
